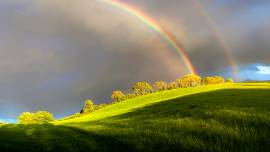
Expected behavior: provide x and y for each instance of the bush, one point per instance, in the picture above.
(230, 80)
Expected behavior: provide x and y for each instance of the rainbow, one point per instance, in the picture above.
(167, 36)
(222, 42)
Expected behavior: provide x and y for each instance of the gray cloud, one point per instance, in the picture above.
(55, 54)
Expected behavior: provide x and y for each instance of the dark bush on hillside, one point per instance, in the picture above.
(90, 107)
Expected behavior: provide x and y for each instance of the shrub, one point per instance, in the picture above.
(230, 80)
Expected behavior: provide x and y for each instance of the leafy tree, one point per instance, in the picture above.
(43, 116)
(191, 80)
(207, 80)
(181, 83)
(142, 88)
(160, 85)
(118, 96)
(26, 118)
(38, 117)
(213, 80)
(230, 80)
(89, 106)
(219, 79)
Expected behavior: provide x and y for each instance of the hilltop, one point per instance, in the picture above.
(224, 117)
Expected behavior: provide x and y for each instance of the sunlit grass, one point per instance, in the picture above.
(230, 117)
(146, 100)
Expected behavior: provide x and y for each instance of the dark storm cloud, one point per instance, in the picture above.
(243, 25)
(55, 54)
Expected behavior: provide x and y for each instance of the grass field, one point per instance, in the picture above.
(229, 117)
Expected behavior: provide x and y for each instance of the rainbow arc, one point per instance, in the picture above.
(220, 38)
(166, 35)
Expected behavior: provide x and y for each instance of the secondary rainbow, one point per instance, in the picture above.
(222, 42)
(166, 35)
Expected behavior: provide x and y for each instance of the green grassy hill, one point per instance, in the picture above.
(230, 117)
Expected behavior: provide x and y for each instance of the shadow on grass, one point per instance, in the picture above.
(48, 137)
(223, 120)
(194, 105)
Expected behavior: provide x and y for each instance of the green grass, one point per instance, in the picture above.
(231, 117)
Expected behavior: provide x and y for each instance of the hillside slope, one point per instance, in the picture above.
(231, 117)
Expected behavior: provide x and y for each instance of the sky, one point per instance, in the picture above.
(56, 54)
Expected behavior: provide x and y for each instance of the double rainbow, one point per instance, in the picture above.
(166, 35)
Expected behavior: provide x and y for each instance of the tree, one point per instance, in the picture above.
(181, 83)
(219, 79)
(142, 88)
(89, 106)
(173, 85)
(38, 117)
(43, 117)
(26, 118)
(213, 80)
(207, 80)
(230, 80)
(160, 85)
(118, 96)
(191, 80)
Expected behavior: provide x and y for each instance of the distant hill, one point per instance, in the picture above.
(227, 117)
(256, 81)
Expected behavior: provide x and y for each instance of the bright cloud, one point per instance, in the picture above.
(263, 69)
